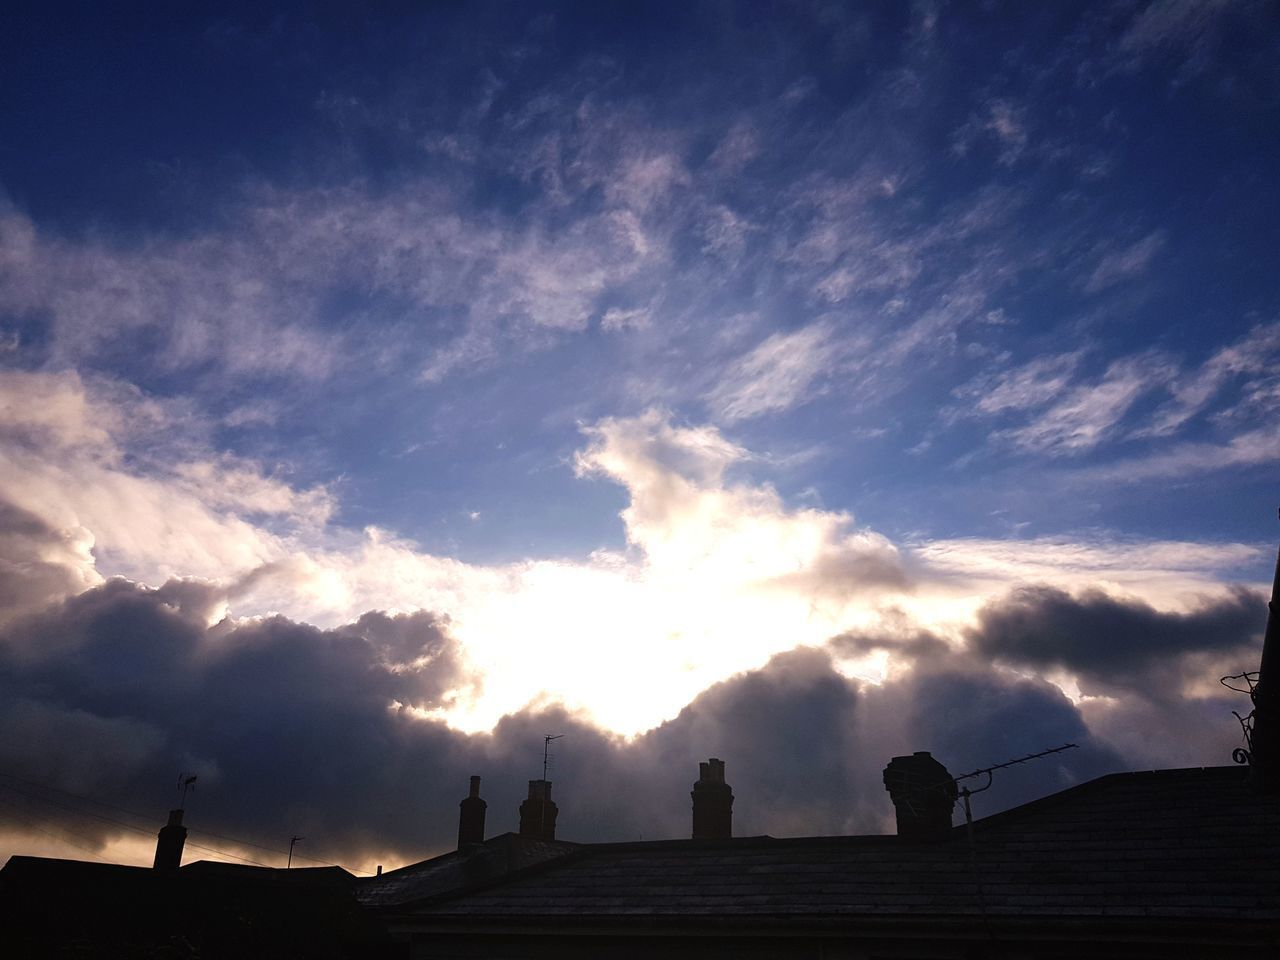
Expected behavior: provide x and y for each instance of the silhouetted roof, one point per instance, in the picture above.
(72, 908)
(1184, 844)
(460, 869)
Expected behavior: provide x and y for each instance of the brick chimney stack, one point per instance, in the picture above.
(538, 813)
(471, 816)
(169, 843)
(712, 803)
(923, 794)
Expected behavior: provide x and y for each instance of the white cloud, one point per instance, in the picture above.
(616, 319)
(95, 460)
(717, 576)
(250, 297)
(1004, 122)
(1185, 29)
(1023, 388)
(1250, 448)
(1123, 264)
(1089, 413)
(775, 376)
(1256, 353)
(739, 147)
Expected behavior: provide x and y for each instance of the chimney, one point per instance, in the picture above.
(471, 817)
(923, 794)
(538, 813)
(171, 840)
(712, 803)
(1264, 738)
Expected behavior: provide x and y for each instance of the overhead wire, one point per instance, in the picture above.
(145, 831)
(33, 823)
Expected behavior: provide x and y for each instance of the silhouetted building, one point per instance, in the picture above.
(712, 803)
(471, 816)
(68, 908)
(1160, 864)
(538, 812)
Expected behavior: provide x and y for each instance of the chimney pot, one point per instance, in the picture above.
(923, 794)
(712, 803)
(471, 816)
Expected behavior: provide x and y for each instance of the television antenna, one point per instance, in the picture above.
(185, 782)
(966, 793)
(546, 752)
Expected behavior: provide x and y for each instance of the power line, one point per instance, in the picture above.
(127, 826)
(151, 818)
(133, 813)
(34, 824)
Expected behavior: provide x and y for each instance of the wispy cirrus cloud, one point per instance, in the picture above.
(1002, 121)
(1128, 262)
(776, 375)
(1253, 356)
(1189, 460)
(1086, 415)
(1027, 387)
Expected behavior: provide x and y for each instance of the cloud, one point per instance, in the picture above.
(322, 741)
(718, 574)
(616, 319)
(1032, 385)
(1005, 122)
(1107, 638)
(776, 375)
(1185, 461)
(39, 563)
(133, 478)
(1120, 265)
(1185, 30)
(252, 297)
(709, 636)
(1253, 355)
(1085, 416)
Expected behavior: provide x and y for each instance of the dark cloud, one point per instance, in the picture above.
(294, 729)
(912, 643)
(37, 562)
(1112, 642)
(974, 719)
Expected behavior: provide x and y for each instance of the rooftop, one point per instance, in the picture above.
(1173, 844)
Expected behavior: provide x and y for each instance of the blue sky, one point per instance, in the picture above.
(717, 329)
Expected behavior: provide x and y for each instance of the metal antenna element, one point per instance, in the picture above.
(546, 752)
(965, 791)
(292, 841)
(185, 782)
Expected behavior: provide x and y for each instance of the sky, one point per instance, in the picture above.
(385, 387)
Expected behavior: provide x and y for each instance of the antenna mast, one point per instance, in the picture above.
(185, 783)
(546, 762)
(546, 752)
